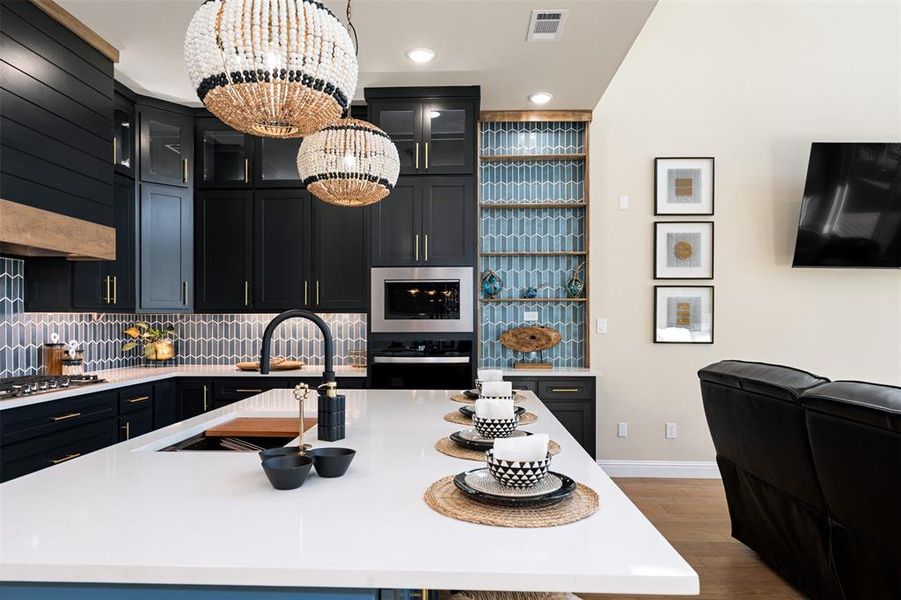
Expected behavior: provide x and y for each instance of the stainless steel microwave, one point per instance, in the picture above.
(421, 299)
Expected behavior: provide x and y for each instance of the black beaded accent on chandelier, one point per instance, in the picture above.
(271, 68)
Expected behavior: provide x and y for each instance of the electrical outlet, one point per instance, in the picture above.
(672, 431)
(602, 326)
(622, 430)
(530, 316)
(624, 203)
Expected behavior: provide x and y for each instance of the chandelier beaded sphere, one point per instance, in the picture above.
(272, 68)
(349, 163)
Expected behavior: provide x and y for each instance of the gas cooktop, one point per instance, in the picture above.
(14, 387)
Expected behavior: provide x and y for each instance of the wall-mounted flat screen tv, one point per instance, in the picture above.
(851, 212)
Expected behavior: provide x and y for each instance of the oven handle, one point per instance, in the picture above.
(413, 360)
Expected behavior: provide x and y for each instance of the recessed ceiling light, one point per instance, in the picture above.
(541, 97)
(420, 55)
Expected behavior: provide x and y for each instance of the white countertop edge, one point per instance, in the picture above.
(670, 585)
(561, 372)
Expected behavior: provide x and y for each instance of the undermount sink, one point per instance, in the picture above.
(205, 443)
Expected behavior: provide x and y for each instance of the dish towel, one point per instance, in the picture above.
(497, 389)
(522, 449)
(494, 408)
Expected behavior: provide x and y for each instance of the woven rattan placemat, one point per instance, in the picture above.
(451, 448)
(444, 497)
(461, 419)
(517, 397)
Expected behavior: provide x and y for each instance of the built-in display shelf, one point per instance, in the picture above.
(519, 157)
(499, 205)
(489, 300)
(555, 253)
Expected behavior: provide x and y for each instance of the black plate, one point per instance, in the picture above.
(473, 444)
(548, 499)
(474, 394)
(469, 411)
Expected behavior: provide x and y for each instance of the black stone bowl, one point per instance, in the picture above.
(331, 462)
(283, 451)
(287, 472)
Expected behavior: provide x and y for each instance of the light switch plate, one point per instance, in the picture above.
(530, 316)
(671, 431)
(602, 326)
(624, 203)
(622, 430)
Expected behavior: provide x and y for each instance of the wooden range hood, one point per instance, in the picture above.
(29, 231)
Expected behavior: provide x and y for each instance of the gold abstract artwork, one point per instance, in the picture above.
(683, 314)
(684, 186)
(683, 250)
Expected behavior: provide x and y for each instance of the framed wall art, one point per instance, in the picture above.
(683, 186)
(683, 314)
(683, 250)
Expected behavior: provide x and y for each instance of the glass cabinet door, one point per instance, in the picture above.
(448, 138)
(276, 164)
(167, 149)
(123, 141)
(224, 155)
(403, 122)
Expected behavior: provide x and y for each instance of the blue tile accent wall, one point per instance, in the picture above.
(202, 339)
(505, 139)
(529, 230)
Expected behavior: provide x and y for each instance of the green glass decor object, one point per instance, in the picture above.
(576, 285)
(491, 284)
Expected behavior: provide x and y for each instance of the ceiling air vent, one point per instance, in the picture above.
(546, 25)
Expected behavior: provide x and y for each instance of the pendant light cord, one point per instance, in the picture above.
(353, 30)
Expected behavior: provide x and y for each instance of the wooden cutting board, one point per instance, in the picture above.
(285, 365)
(260, 427)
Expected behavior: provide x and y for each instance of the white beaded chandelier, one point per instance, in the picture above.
(349, 163)
(273, 68)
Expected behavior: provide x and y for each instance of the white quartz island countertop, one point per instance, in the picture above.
(128, 514)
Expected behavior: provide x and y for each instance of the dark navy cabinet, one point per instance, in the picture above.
(166, 144)
(571, 400)
(224, 156)
(194, 397)
(223, 251)
(339, 265)
(166, 248)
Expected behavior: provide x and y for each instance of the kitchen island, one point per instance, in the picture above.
(129, 515)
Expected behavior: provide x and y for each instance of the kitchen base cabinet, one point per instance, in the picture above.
(165, 404)
(135, 423)
(194, 397)
(571, 400)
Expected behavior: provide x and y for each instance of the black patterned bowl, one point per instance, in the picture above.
(517, 474)
(495, 428)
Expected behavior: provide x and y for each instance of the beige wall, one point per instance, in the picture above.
(751, 83)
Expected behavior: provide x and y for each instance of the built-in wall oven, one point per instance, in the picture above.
(421, 364)
(422, 300)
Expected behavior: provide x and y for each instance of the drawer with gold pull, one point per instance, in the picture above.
(23, 423)
(553, 388)
(229, 389)
(137, 397)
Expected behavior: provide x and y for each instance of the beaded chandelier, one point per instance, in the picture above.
(350, 163)
(272, 68)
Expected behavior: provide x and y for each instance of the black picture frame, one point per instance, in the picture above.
(657, 289)
(658, 213)
(712, 250)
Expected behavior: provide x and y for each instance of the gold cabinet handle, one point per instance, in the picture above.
(306, 290)
(246, 170)
(248, 391)
(184, 291)
(65, 458)
(317, 292)
(115, 289)
(139, 399)
(127, 428)
(426, 155)
(417, 156)
(246, 293)
(115, 153)
(66, 417)
(566, 390)
(205, 406)
(106, 299)
(184, 171)
(427, 247)
(416, 246)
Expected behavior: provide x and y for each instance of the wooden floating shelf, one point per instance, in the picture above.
(486, 300)
(522, 157)
(497, 205)
(561, 253)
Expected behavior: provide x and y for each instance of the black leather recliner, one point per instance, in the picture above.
(775, 503)
(855, 436)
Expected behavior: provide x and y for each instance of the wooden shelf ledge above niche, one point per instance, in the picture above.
(530, 157)
(489, 300)
(560, 253)
(502, 206)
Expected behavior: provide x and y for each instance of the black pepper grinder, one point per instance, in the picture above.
(331, 413)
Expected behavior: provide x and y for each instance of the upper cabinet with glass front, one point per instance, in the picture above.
(434, 129)
(167, 147)
(124, 135)
(276, 162)
(224, 156)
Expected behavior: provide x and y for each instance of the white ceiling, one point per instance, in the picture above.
(478, 42)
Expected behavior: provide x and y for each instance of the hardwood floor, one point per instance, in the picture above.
(692, 515)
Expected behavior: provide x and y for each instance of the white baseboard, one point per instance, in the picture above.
(688, 469)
